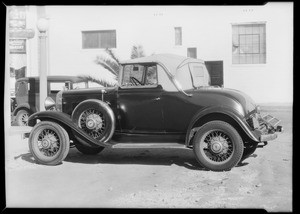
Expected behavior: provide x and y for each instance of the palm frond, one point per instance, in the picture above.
(112, 55)
(108, 65)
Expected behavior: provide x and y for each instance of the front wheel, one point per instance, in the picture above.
(49, 143)
(218, 146)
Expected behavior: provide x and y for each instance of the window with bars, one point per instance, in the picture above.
(178, 36)
(192, 52)
(99, 39)
(249, 43)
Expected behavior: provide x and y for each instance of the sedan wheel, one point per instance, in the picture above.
(218, 146)
(22, 118)
(49, 143)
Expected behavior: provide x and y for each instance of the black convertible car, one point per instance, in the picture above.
(161, 101)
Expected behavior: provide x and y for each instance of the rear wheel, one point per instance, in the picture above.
(218, 146)
(49, 143)
(22, 117)
(249, 150)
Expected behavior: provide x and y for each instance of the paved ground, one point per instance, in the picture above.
(168, 178)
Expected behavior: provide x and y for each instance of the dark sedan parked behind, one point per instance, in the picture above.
(27, 94)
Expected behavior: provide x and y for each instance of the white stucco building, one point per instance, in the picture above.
(255, 43)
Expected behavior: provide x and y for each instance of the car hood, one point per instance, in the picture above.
(90, 91)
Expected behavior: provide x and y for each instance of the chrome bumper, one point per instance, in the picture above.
(267, 137)
(265, 126)
(271, 136)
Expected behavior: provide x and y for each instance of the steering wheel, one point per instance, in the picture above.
(135, 81)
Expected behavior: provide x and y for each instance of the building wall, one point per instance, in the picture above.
(208, 28)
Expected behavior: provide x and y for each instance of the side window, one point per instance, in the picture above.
(21, 88)
(55, 87)
(79, 85)
(184, 76)
(151, 75)
(200, 75)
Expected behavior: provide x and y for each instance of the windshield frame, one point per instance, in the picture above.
(172, 77)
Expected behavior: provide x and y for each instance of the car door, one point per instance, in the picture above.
(139, 100)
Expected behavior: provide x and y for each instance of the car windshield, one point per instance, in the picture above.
(141, 75)
(192, 76)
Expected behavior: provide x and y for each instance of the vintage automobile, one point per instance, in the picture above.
(27, 94)
(161, 101)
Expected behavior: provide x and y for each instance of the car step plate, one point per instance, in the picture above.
(149, 145)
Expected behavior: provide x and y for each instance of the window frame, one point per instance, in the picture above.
(143, 77)
(178, 34)
(98, 32)
(262, 44)
(190, 50)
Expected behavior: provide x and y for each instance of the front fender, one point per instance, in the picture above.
(22, 106)
(225, 110)
(65, 121)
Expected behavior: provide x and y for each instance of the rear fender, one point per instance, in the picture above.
(65, 121)
(221, 110)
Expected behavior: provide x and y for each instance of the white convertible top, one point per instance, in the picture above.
(171, 61)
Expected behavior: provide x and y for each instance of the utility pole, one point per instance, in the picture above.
(42, 26)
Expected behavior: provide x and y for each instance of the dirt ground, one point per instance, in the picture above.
(152, 178)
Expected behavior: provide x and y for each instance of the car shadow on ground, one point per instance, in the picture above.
(26, 157)
(179, 157)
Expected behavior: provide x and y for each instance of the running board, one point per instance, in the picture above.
(149, 145)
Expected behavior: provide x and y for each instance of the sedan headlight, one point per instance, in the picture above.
(253, 120)
(49, 103)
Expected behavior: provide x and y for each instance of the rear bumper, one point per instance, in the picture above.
(271, 136)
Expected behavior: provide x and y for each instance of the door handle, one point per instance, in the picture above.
(157, 98)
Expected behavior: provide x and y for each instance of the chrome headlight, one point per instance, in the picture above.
(49, 103)
(253, 120)
(59, 101)
(258, 109)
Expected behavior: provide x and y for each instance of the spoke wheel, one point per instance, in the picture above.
(22, 118)
(95, 118)
(49, 143)
(218, 146)
(92, 122)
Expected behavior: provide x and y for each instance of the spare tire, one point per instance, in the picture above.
(95, 118)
